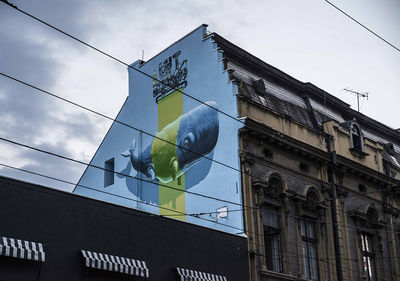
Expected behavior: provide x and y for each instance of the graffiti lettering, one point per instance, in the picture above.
(172, 75)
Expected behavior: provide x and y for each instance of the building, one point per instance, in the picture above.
(219, 142)
(52, 235)
(322, 180)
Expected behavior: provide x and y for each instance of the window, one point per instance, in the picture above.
(272, 241)
(370, 260)
(356, 137)
(109, 172)
(309, 249)
(367, 248)
(368, 255)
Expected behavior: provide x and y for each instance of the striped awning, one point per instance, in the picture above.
(115, 263)
(21, 249)
(193, 275)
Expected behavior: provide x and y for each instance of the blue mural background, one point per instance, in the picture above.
(206, 80)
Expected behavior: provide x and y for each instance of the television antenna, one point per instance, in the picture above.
(359, 94)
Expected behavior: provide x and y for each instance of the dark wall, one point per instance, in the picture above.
(66, 223)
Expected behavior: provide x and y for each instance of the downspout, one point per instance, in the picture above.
(331, 179)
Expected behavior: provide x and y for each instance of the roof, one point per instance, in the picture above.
(302, 101)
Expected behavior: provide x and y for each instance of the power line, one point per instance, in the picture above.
(131, 67)
(362, 25)
(193, 193)
(286, 261)
(118, 173)
(130, 126)
(134, 128)
(119, 122)
(291, 254)
(120, 61)
(104, 53)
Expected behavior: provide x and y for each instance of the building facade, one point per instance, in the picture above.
(320, 180)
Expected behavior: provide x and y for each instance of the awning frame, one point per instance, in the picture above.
(193, 275)
(22, 249)
(115, 263)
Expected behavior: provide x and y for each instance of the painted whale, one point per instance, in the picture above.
(195, 133)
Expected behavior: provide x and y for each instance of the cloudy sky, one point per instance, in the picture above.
(307, 39)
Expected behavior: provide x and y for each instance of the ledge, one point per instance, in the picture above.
(282, 276)
(358, 152)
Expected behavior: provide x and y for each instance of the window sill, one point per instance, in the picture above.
(358, 153)
(279, 275)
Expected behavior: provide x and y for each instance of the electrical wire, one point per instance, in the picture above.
(291, 254)
(120, 61)
(128, 65)
(119, 122)
(134, 128)
(193, 193)
(362, 25)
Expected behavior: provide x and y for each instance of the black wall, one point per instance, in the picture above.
(66, 223)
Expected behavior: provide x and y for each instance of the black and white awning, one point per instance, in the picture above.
(193, 275)
(21, 249)
(115, 263)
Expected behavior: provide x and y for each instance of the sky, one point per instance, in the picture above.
(308, 39)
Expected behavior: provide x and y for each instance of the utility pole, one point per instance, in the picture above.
(364, 95)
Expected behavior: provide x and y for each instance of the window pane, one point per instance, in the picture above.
(366, 266)
(367, 244)
(305, 259)
(302, 228)
(270, 217)
(372, 268)
(310, 230)
(363, 242)
(272, 251)
(276, 254)
(313, 261)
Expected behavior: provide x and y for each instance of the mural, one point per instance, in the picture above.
(169, 78)
(194, 135)
(171, 164)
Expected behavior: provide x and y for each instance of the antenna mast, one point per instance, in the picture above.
(364, 95)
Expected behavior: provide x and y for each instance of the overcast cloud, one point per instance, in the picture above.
(307, 39)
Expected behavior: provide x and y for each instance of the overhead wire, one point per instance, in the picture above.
(134, 128)
(193, 193)
(362, 25)
(118, 61)
(120, 122)
(128, 65)
(291, 254)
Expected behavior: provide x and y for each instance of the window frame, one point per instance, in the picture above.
(368, 253)
(274, 231)
(308, 240)
(356, 137)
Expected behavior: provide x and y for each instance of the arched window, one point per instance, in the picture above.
(356, 137)
(271, 219)
(368, 222)
(367, 245)
(309, 240)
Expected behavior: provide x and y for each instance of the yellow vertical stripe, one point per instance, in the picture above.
(169, 109)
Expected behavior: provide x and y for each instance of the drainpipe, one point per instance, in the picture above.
(336, 235)
(331, 179)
